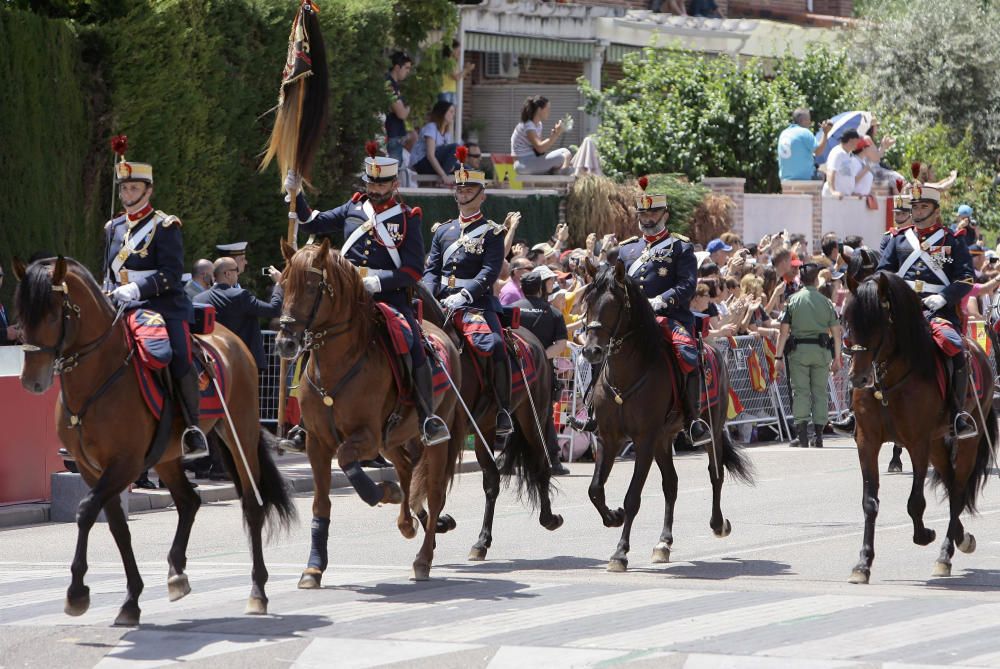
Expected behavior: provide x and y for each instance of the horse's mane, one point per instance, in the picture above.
(344, 281)
(866, 317)
(31, 299)
(646, 337)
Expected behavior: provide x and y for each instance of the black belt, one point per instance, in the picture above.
(807, 340)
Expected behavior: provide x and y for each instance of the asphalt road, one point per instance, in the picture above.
(772, 594)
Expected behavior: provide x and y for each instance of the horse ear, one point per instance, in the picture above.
(59, 272)
(883, 286)
(590, 268)
(19, 268)
(323, 253)
(620, 272)
(852, 284)
(287, 250)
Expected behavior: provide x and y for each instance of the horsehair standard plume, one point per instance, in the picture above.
(899, 185)
(462, 153)
(303, 97)
(915, 169)
(371, 148)
(643, 182)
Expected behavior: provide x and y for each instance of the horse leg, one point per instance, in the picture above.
(406, 523)
(320, 459)
(491, 488)
(916, 504)
(868, 455)
(604, 460)
(665, 461)
(436, 465)
(956, 479)
(188, 503)
(112, 481)
(896, 463)
(633, 498)
(128, 615)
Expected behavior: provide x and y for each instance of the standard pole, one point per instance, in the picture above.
(283, 364)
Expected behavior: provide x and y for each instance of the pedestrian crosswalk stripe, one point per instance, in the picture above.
(518, 657)
(883, 638)
(364, 653)
(740, 619)
(495, 623)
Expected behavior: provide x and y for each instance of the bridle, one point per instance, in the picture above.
(880, 367)
(615, 342)
(312, 339)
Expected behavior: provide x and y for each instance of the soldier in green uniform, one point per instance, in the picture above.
(810, 325)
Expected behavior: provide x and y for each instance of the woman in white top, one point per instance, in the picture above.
(434, 151)
(532, 154)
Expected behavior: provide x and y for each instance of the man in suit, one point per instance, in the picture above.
(201, 278)
(238, 309)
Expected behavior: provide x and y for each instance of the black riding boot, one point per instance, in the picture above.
(818, 436)
(193, 442)
(963, 427)
(295, 440)
(801, 439)
(845, 425)
(501, 387)
(432, 428)
(699, 431)
(589, 425)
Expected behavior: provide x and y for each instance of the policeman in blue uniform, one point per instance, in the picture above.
(143, 268)
(382, 239)
(464, 264)
(937, 265)
(665, 267)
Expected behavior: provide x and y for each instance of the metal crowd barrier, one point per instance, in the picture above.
(269, 380)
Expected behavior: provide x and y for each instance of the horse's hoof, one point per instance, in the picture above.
(409, 530)
(477, 554)
(661, 553)
(311, 579)
(445, 523)
(177, 587)
(421, 572)
(391, 492)
(895, 467)
(256, 606)
(617, 566)
(554, 523)
(77, 606)
(968, 544)
(926, 538)
(128, 616)
(727, 529)
(860, 577)
(942, 569)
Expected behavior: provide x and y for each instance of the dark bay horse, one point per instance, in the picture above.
(525, 454)
(71, 329)
(897, 398)
(635, 396)
(350, 403)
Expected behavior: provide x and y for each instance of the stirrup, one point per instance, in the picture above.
(294, 441)
(64, 454)
(191, 453)
(706, 439)
(508, 427)
(589, 425)
(968, 434)
(434, 431)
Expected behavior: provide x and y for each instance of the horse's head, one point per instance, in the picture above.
(608, 313)
(49, 321)
(861, 266)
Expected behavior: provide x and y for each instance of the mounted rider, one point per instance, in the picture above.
(466, 256)
(143, 268)
(664, 265)
(383, 240)
(937, 265)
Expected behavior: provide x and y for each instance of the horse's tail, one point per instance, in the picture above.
(985, 456)
(735, 460)
(279, 511)
(528, 465)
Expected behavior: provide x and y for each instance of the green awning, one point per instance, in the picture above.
(549, 49)
(617, 52)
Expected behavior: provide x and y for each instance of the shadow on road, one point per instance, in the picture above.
(557, 563)
(967, 579)
(725, 568)
(444, 589)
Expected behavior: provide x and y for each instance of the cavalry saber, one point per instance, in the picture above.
(534, 412)
(236, 436)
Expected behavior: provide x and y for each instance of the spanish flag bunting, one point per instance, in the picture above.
(757, 380)
(735, 406)
(770, 355)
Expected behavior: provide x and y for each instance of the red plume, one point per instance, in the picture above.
(371, 148)
(899, 185)
(915, 169)
(643, 182)
(462, 153)
(119, 144)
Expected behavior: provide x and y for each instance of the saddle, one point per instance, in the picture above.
(710, 393)
(395, 338)
(977, 377)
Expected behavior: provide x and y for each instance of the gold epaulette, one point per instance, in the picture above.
(628, 241)
(682, 238)
(498, 228)
(168, 219)
(434, 228)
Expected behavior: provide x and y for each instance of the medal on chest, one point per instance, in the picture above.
(394, 231)
(474, 246)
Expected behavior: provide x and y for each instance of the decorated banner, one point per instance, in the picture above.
(770, 355)
(757, 380)
(977, 331)
(735, 406)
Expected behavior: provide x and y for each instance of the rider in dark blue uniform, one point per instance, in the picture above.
(143, 268)
(665, 267)
(937, 265)
(382, 239)
(462, 268)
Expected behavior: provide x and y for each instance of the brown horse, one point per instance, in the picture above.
(524, 454)
(350, 403)
(634, 396)
(71, 329)
(897, 398)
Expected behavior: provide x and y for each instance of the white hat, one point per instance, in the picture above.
(544, 272)
(234, 249)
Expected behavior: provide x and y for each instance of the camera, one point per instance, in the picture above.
(265, 271)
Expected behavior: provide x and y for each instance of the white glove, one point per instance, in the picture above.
(934, 302)
(372, 284)
(459, 299)
(126, 293)
(293, 182)
(657, 303)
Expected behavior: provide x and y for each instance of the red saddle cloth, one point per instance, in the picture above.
(711, 389)
(147, 333)
(395, 342)
(978, 375)
(518, 381)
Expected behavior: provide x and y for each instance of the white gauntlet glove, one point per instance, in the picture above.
(128, 292)
(293, 182)
(372, 284)
(934, 302)
(459, 299)
(657, 303)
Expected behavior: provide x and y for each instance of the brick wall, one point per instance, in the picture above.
(734, 189)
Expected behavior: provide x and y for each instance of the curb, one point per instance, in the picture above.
(295, 470)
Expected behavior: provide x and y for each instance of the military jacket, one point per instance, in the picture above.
(666, 268)
(466, 256)
(933, 262)
(386, 243)
(149, 251)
